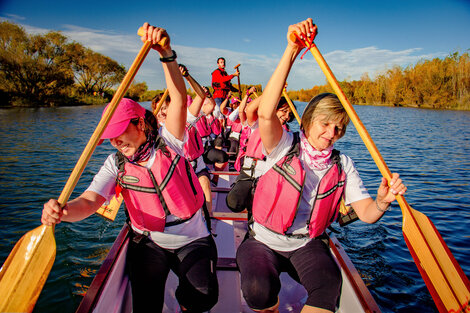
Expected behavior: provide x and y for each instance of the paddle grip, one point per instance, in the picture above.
(163, 42)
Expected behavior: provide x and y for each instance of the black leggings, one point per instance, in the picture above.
(214, 155)
(312, 266)
(234, 145)
(240, 195)
(194, 264)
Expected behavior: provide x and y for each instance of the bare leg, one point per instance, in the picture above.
(273, 309)
(311, 309)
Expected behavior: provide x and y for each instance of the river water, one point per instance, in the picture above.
(429, 148)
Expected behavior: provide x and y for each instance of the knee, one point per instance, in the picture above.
(325, 295)
(235, 202)
(201, 300)
(260, 293)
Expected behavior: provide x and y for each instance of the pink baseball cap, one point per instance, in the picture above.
(126, 110)
(235, 100)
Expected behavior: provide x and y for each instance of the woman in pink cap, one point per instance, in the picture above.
(163, 197)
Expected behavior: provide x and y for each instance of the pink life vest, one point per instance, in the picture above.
(202, 126)
(254, 146)
(214, 124)
(235, 126)
(193, 148)
(245, 134)
(169, 187)
(279, 191)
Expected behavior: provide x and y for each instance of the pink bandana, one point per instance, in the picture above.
(316, 160)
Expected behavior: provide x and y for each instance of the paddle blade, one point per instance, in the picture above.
(25, 271)
(445, 279)
(110, 211)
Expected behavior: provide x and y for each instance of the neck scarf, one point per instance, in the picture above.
(143, 153)
(315, 160)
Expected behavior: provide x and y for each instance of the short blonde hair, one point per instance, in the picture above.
(326, 104)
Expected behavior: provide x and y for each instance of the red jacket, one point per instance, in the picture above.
(221, 83)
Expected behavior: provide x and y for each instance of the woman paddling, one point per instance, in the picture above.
(250, 160)
(298, 196)
(162, 195)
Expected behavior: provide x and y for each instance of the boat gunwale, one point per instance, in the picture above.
(93, 293)
(366, 299)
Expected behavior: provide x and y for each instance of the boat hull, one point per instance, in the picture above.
(110, 291)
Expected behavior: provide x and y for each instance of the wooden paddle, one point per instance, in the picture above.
(27, 267)
(160, 102)
(444, 278)
(291, 105)
(110, 210)
(239, 86)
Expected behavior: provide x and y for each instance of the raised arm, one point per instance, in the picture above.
(176, 113)
(249, 112)
(270, 127)
(223, 105)
(195, 107)
(209, 103)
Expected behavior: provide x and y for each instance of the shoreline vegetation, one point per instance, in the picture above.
(48, 71)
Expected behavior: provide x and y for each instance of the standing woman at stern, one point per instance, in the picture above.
(162, 194)
(298, 196)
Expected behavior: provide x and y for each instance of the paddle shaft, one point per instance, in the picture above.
(239, 85)
(160, 102)
(291, 105)
(443, 276)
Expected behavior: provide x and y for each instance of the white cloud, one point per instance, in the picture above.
(254, 69)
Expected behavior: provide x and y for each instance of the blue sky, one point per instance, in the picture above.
(355, 37)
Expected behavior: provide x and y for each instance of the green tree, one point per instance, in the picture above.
(34, 68)
(137, 91)
(94, 72)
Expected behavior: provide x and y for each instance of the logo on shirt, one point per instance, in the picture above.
(130, 179)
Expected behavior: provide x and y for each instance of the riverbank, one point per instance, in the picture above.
(454, 107)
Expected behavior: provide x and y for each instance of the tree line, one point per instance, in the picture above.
(437, 83)
(49, 70)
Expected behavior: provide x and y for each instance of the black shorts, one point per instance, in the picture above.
(240, 196)
(312, 266)
(204, 172)
(194, 264)
(213, 155)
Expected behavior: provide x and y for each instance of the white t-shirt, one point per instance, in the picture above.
(233, 115)
(354, 191)
(173, 237)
